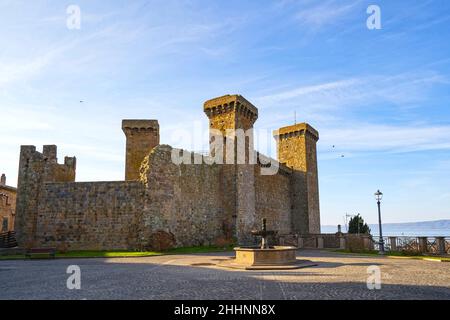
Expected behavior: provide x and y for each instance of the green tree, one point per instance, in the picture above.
(357, 225)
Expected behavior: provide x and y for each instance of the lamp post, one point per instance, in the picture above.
(378, 197)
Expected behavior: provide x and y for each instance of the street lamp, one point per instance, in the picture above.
(378, 197)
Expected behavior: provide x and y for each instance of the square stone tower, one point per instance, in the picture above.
(233, 116)
(142, 136)
(296, 147)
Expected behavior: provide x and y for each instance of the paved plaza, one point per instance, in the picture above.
(197, 276)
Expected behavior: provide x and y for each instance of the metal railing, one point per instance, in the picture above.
(406, 244)
(428, 245)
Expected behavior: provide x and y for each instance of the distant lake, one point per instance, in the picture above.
(399, 230)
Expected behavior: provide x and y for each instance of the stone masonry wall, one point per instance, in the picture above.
(35, 169)
(312, 182)
(90, 215)
(273, 201)
(170, 206)
(183, 202)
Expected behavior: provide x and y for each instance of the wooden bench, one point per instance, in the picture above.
(50, 252)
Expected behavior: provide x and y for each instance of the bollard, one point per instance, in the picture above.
(320, 243)
(440, 242)
(423, 247)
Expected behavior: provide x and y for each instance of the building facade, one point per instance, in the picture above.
(7, 205)
(164, 202)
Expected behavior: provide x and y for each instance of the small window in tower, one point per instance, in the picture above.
(5, 224)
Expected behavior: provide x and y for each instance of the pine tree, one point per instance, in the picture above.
(358, 226)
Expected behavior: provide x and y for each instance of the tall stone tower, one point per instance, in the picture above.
(296, 147)
(229, 114)
(142, 136)
(234, 117)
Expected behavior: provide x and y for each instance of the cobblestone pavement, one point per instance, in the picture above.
(197, 277)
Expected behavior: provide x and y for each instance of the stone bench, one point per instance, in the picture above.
(40, 252)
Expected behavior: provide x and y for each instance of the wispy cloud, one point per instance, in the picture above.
(402, 90)
(329, 104)
(12, 72)
(317, 16)
(308, 90)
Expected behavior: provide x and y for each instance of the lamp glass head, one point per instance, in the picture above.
(378, 195)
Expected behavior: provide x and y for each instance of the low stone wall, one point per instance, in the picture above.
(328, 241)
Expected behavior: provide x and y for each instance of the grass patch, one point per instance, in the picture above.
(106, 254)
(361, 252)
(393, 254)
(124, 254)
(12, 257)
(202, 249)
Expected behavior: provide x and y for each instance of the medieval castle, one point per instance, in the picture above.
(162, 204)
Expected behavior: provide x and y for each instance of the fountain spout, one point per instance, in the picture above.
(264, 233)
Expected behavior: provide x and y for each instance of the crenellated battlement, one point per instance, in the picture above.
(231, 103)
(296, 130)
(137, 125)
(46, 164)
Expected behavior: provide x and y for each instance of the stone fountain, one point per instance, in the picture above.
(266, 257)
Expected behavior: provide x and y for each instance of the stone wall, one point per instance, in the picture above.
(169, 206)
(183, 202)
(273, 200)
(35, 169)
(90, 215)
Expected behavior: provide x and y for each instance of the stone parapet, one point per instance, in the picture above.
(230, 103)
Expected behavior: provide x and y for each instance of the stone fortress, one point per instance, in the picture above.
(161, 204)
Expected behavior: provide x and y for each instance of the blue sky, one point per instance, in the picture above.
(381, 97)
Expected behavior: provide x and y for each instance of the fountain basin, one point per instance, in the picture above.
(272, 258)
(276, 255)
